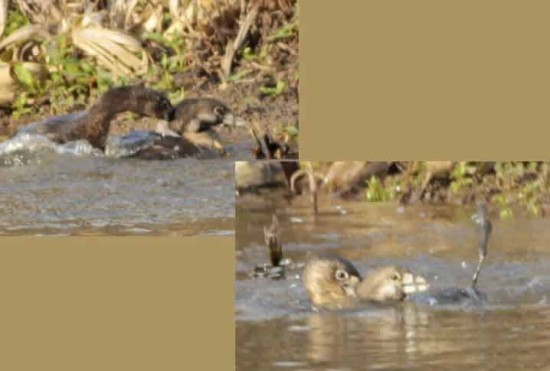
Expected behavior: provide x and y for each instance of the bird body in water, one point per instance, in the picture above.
(195, 115)
(94, 125)
(334, 283)
(185, 130)
(331, 282)
(391, 283)
(190, 133)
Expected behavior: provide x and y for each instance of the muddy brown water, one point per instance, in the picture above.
(43, 192)
(276, 329)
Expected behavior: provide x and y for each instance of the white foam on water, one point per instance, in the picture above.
(31, 143)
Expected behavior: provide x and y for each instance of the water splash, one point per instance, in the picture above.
(25, 148)
(127, 145)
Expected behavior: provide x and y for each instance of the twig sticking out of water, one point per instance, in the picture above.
(272, 236)
(484, 232)
(312, 180)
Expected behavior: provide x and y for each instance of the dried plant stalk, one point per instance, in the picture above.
(3, 15)
(115, 50)
(120, 13)
(232, 46)
(7, 84)
(24, 34)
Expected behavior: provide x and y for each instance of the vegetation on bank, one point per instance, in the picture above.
(513, 187)
(58, 56)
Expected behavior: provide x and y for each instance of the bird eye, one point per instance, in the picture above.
(219, 110)
(341, 275)
(395, 276)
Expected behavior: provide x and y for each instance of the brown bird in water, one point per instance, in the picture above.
(189, 134)
(390, 284)
(94, 125)
(334, 283)
(195, 115)
(331, 282)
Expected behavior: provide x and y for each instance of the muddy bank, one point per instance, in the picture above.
(275, 118)
(278, 115)
(512, 187)
(245, 53)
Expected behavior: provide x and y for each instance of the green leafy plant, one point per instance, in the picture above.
(462, 177)
(278, 89)
(376, 191)
(505, 209)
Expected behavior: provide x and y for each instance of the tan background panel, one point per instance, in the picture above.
(117, 303)
(425, 80)
(396, 80)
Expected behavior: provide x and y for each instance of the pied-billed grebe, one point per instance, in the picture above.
(333, 282)
(390, 284)
(165, 143)
(200, 114)
(150, 145)
(94, 125)
(175, 139)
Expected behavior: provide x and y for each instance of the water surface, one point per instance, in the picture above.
(276, 329)
(71, 189)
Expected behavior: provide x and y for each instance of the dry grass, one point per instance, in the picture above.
(220, 36)
(244, 51)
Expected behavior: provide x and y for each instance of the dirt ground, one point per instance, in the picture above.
(273, 112)
(253, 96)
